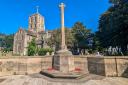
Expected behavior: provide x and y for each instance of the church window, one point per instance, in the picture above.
(35, 25)
(35, 19)
(31, 26)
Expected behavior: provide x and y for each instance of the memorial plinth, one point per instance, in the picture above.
(63, 61)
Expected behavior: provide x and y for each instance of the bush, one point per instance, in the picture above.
(32, 49)
(42, 52)
(50, 50)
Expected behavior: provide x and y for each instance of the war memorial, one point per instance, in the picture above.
(62, 68)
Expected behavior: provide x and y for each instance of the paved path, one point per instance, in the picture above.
(42, 80)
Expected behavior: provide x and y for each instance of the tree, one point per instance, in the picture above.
(81, 36)
(113, 25)
(116, 2)
(32, 49)
(6, 41)
(76, 37)
(96, 43)
(55, 39)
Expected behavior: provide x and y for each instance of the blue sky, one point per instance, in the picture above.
(15, 13)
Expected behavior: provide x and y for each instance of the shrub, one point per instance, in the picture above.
(42, 52)
(50, 50)
(31, 51)
(32, 48)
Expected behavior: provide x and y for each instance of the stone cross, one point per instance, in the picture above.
(63, 45)
(37, 9)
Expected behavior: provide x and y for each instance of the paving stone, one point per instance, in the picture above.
(28, 80)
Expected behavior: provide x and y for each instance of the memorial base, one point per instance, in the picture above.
(63, 66)
(60, 75)
(63, 61)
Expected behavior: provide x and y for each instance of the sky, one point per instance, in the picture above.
(15, 13)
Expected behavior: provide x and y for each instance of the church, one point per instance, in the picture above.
(36, 29)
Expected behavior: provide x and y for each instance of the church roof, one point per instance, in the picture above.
(31, 33)
(27, 31)
(21, 29)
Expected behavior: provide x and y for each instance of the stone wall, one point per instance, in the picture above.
(122, 66)
(96, 65)
(106, 66)
(24, 65)
(81, 63)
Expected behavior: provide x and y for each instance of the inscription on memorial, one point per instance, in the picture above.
(64, 61)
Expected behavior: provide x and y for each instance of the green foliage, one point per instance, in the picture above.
(50, 50)
(116, 2)
(9, 42)
(55, 40)
(32, 49)
(96, 43)
(43, 51)
(113, 25)
(6, 50)
(76, 37)
(6, 41)
(81, 35)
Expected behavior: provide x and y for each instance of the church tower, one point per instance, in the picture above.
(36, 22)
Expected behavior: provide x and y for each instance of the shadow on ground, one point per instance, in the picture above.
(1, 80)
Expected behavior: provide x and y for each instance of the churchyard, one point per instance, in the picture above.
(37, 60)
